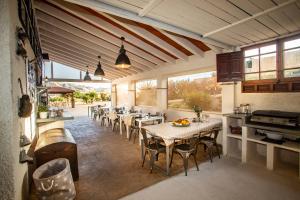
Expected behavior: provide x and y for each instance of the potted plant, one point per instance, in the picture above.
(43, 111)
(198, 111)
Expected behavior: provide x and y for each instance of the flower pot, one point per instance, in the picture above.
(43, 115)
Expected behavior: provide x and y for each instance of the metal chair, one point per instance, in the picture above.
(185, 150)
(153, 147)
(210, 141)
(134, 129)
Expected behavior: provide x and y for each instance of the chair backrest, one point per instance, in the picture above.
(145, 138)
(128, 120)
(112, 115)
(214, 132)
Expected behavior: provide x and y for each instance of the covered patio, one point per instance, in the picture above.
(196, 99)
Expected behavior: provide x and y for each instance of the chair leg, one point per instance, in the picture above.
(205, 147)
(185, 163)
(134, 136)
(130, 133)
(152, 155)
(144, 158)
(194, 155)
(218, 150)
(210, 154)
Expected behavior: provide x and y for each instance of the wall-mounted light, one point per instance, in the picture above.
(122, 61)
(87, 76)
(99, 71)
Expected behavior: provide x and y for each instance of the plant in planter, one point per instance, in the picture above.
(198, 111)
(43, 111)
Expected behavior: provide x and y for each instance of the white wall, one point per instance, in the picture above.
(13, 181)
(232, 96)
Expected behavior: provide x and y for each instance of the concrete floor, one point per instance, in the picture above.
(110, 168)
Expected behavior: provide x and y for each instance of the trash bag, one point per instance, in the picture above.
(53, 180)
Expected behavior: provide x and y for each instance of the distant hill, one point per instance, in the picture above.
(80, 86)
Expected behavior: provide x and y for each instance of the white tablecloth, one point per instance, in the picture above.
(168, 132)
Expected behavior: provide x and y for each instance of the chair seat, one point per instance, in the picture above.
(184, 148)
(206, 138)
(160, 148)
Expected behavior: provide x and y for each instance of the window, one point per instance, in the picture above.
(184, 92)
(146, 93)
(122, 95)
(291, 58)
(260, 62)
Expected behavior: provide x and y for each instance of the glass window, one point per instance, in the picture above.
(260, 63)
(146, 93)
(202, 89)
(291, 58)
(47, 69)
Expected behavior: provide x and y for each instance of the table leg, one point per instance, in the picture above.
(168, 159)
(127, 131)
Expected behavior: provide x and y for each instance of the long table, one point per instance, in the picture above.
(139, 120)
(168, 133)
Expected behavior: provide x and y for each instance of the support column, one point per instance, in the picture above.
(131, 94)
(162, 93)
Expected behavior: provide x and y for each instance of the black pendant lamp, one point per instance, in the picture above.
(87, 76)
(122, 61)
(99, 71)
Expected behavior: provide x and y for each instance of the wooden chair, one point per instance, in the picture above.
(210, 141)
(186, 149)
(153, 147)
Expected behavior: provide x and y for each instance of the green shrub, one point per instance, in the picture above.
(43, 108)
(57, 99)
(198, 98)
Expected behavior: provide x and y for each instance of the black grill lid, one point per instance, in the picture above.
(276, 113)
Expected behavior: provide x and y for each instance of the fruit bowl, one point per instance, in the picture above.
(181, 123)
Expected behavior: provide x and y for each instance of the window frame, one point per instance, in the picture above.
(188, 110)
(135, 91)
(279, 61)
(258, 46)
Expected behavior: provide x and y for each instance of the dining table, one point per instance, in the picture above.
(168, 132)
(139, 120)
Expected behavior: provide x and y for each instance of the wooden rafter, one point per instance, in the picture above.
(80, 38)
(57, 25)
(99, 22)
(96, 31)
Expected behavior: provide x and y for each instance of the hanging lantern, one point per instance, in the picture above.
(87, 76)
(99, 71)
(122, 61)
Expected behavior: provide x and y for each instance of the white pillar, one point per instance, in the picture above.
(162, 93)
(131, 94)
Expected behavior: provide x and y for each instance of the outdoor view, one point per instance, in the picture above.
(146, 93)
(202, 89)
(84, 93)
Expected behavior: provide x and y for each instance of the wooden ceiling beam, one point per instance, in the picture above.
(108, 64)
(81, 24)
(68, 63)
(106, 8)
(56, 26)
(149, 36)
(185, 43)
(82, 62)
(82, 13)
(85, 45)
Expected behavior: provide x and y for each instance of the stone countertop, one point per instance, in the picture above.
(66, 116)
(238, 116)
